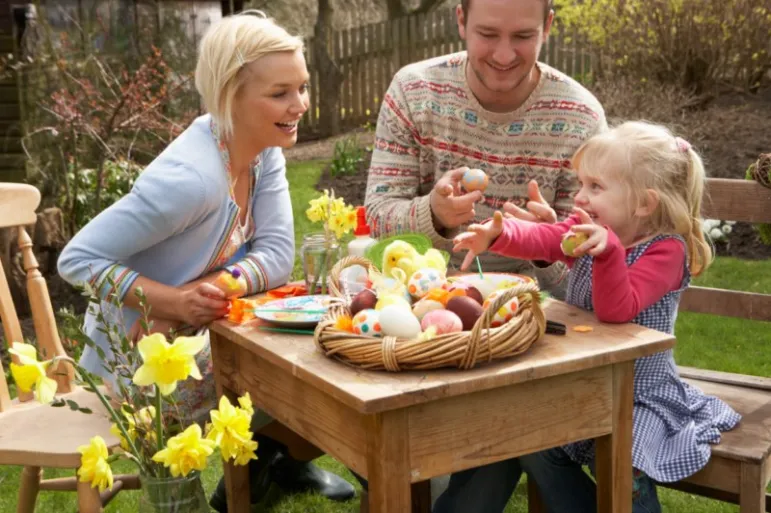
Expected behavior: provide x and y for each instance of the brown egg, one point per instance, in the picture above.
(469, 291)
(363, 300)
(467, 309)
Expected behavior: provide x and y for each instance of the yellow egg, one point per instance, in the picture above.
(392, 299)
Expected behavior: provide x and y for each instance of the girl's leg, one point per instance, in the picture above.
(563, 484)
(644, 496)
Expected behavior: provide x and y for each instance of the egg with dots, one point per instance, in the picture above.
(505, 312)
(367, 322)
(444, 321)
(424, 280)
(232, 283)
(475, 180)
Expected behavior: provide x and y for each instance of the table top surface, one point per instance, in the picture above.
(376, 391)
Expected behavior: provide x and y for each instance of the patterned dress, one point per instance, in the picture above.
(673, 422)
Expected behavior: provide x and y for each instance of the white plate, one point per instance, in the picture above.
(298, 312)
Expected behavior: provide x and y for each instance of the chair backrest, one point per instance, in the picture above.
(732, 200)
(18, 203)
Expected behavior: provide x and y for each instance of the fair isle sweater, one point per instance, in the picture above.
(430, 123)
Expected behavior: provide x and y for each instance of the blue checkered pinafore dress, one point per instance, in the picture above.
(673, 423)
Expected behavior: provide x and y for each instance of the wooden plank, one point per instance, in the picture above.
(614, 451)
(468, 431)
(737, 200)
(369, 81)
(7, 44)
(404, 42)
(346, 101)
(10, 110)
(726, 378)
(13, 175)
(356, 75)
(383, 76)
(9, 94)
(12, 161)
(752, 496)
(552, 58)
(313, 105)
(335, 428)
(727, 303)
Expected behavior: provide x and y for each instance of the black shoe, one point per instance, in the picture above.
(268, 451)
(302, 476)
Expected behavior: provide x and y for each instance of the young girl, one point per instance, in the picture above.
(639, 206)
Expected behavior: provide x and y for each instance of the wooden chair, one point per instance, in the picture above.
(739, 470)
(34, 435)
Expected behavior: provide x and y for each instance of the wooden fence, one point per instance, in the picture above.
(370, 55)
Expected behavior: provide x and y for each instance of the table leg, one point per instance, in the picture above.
(236, 476)
(421, 497)
(388, 463)
(614, 451)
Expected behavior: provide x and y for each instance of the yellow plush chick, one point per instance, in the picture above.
(402, 255)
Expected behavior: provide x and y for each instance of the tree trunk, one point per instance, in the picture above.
(330, 76)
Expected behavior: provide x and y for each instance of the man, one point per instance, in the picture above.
(496, 108)
(492, 107)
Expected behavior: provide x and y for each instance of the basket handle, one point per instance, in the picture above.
(483, 323)
(335, 287)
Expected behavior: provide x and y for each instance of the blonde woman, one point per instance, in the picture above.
(217, 198)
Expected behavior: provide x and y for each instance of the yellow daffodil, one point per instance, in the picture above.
(94, 468)
(30, 374)
(186, 452)
(164, 364)
(145, 417)
(230, 430)
(245, 401)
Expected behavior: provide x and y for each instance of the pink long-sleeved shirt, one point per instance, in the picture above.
(620, 292)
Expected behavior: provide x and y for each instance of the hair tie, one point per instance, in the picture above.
(254, 12)
(682, 145)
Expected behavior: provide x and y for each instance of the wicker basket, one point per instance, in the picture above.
(463, 350)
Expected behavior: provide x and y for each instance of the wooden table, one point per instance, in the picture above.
(401, 429)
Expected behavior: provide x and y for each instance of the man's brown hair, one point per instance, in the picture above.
(547, 7)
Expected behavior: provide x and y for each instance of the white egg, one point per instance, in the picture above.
(422, 307)
(396, 321)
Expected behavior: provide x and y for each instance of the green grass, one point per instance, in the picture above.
(703, 341)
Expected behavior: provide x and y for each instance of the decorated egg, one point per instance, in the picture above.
(232, 283)
(367, 322)
(425, 305)
(392, 299)
(475, 180)
(424, 280)
(398, 322)
(444, 321)
(505, 313)
(467, 309)
(571, 240)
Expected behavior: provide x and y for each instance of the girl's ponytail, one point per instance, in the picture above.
(700, 254)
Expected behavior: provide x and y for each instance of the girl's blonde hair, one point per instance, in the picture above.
(228, 46)
(647, 156)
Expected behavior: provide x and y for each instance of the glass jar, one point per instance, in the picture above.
(173, 495)
(318, 255)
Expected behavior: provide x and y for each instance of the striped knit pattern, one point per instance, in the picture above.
(116, 279)
(430, 123)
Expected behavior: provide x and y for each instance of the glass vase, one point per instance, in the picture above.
(173, 495)
(318, 255)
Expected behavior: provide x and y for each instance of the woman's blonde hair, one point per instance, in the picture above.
(228, 46)
(649, 157)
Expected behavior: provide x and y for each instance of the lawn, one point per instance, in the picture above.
(702, 342)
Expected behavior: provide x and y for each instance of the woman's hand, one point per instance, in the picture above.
(598, 235)
(478, 238)
(159, 325)
(201, 304)
(538, 209)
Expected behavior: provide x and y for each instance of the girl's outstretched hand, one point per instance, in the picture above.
(478, 238)
(598, 235)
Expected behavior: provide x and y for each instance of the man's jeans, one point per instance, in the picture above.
(563, 484)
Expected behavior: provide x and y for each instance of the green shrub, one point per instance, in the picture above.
(117, 179)
(348, 155)
(692, 43)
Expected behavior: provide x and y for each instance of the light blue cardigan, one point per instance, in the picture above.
(174, 225)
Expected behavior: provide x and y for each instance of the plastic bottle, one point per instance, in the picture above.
(362, 241)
